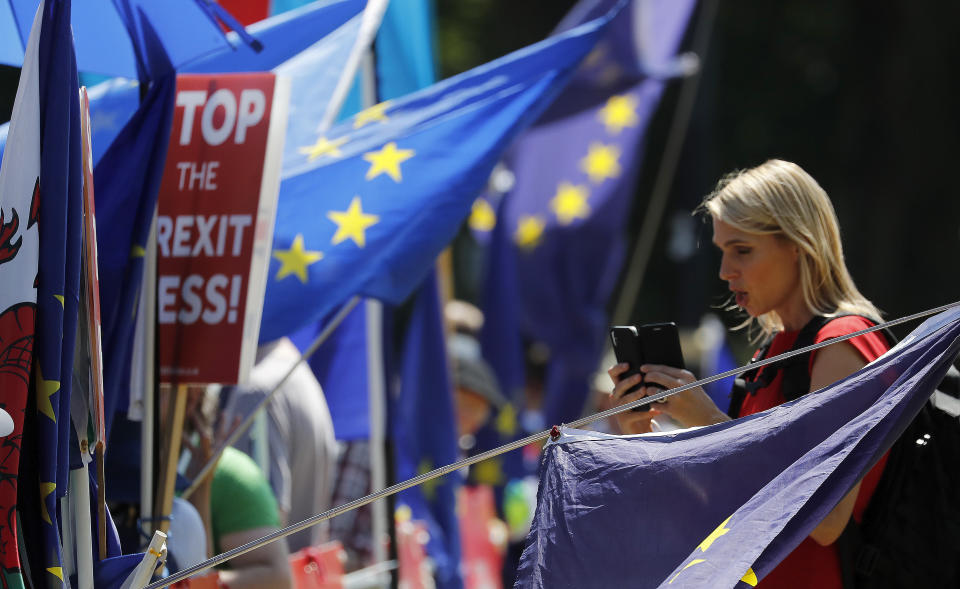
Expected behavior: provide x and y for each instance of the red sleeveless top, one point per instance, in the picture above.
(811, 565)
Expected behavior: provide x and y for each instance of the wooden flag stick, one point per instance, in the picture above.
(177, 406)
(101, 501)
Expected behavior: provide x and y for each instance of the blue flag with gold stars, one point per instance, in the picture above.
(370, 204)
(55, 217)
(567, 189)
(423, 428)
(721, 506)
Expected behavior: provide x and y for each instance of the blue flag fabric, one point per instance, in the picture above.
(60, 225)
(392, 185)
(110, 38)
(340, 365)
(283, 37)
(561, 223)
(714, 506)
(127, 183)
(423, 429)
(113, 103)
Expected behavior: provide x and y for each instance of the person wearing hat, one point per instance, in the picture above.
(477, 395)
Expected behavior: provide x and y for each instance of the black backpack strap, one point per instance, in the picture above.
(746, 383)
(796, 370)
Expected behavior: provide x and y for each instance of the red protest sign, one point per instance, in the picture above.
(215, 223)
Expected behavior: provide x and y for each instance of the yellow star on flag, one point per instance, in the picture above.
(601, 162)
(714, 535)
(570, 203)
(56, 571)
(403, 514)
(429, 487)
(59, 299)
(489, 472)
(296, 260)
(507, 421)
(750, 578)
(388, 161)
(137, 251)
(482, 216)
(377, 112)
(352, 223)
(689, 564)
(45, 390)
(529, 231)
(45, 490)
(323, 147)
(619, 112)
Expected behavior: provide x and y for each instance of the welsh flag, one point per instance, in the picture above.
(40, 237)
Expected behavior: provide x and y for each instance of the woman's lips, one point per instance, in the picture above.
(740, 298)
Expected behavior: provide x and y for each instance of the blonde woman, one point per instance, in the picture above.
(783, 262)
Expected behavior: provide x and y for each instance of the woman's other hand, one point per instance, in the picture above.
(689, 408)
(629, 422)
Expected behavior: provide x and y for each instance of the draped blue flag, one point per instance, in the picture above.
(639, 508)
(374, 201)
(560, 227)
(423, 428)
(340, 365)
(112, 103)
(45, 449)
(127, 182)
(109, 37)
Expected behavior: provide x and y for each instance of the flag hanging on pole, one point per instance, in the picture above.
(638, 507)
(423, 429)
(570, 183)
(41, 202)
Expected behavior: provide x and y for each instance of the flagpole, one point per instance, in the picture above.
(376, 395)
(147, 320)
(380, 525)
(80, 485)
(176, 410)
(636, 266)
(92, 285)
(444, 470)
(369, 25)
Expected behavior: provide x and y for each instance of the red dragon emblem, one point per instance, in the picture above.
(17, 324)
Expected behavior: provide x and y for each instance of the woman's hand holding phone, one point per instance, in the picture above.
(689, 408)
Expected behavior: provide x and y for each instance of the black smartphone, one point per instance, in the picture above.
(660, 344)
(628, 349)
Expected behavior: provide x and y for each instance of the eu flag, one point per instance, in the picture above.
(41, 203)
(560, 226)
(372, 202)
(128, 181)
(721, 506)
(422, 425)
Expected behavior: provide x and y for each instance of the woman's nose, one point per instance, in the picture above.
(726, 269)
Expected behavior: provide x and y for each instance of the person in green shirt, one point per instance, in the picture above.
(238, 506)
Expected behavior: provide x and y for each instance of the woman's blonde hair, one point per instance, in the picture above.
(780, 198)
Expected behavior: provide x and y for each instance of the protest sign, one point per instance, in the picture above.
(215, 223)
